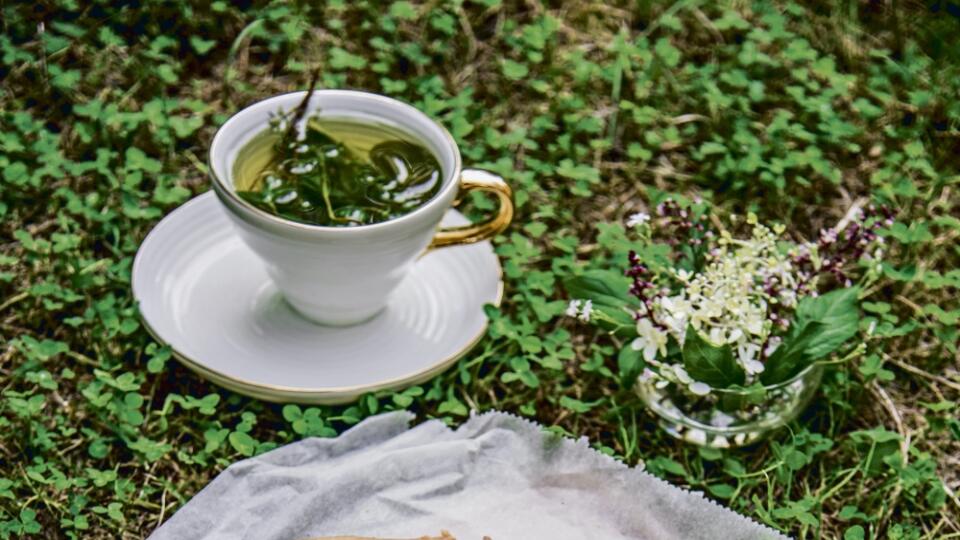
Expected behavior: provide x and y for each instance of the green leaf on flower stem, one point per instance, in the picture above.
(625, 325)
(790, 357)
(606, 287)
(835, 308)
(821, 326)
(630, 363)
(608, 290)
(709, 363)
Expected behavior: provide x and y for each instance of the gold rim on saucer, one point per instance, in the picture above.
(327, 396)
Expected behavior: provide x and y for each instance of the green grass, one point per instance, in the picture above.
(592, 111)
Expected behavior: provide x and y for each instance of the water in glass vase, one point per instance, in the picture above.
(338, 173)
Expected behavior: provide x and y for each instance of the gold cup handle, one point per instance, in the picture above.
(471, 179)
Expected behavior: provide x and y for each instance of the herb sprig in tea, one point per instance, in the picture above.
(337, 173)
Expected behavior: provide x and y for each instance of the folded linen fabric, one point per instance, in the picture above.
(496, 476)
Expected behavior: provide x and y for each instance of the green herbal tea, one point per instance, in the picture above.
(339, 173)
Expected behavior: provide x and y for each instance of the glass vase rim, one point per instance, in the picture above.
(768, 387)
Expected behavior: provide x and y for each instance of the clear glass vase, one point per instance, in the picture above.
(729, 418)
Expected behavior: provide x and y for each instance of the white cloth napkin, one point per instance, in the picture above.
(497, 475)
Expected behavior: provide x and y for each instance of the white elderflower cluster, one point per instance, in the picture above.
(733, 300)
(581, 309)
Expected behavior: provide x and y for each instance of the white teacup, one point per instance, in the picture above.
(344, 275)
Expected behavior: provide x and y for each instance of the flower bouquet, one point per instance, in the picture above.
(724, 329)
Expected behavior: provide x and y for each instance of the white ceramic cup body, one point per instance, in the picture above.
(335, 275)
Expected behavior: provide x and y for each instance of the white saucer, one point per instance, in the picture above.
(203, 292)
